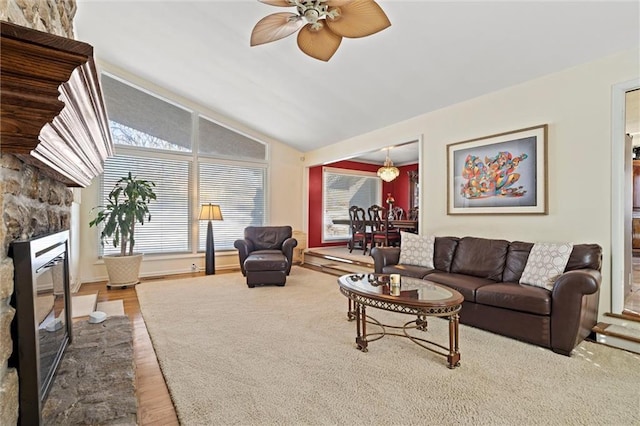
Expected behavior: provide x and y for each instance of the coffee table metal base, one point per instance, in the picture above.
(359, 314)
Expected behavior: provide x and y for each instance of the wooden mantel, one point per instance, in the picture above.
(52, 113)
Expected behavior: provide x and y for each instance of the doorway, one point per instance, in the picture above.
(624, 121)
(631, 292)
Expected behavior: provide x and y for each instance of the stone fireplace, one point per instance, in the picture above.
(36, 198)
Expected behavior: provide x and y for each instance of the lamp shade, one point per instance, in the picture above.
(210, 212)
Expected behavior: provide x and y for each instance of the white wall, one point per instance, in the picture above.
(576, 104)
(286, 190)
(284, 200)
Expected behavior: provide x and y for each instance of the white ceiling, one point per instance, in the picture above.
(435, 54)
(400, 155)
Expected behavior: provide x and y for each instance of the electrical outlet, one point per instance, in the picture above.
(194, 268)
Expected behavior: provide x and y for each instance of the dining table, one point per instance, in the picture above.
(402, 224)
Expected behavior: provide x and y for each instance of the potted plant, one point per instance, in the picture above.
(127, 205)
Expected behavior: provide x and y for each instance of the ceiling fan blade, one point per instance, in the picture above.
(338, 3)
(281, 3)
(359, 18)
(274, 27)
(319, 44)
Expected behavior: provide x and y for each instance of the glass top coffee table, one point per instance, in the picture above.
(417, 297)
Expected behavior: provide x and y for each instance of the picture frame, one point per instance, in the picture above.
(505, 173)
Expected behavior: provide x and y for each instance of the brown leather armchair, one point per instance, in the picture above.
(264, 242)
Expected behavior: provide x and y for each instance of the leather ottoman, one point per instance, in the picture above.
(266, 268)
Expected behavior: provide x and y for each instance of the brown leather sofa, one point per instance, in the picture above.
(266, 254)
(486, 272)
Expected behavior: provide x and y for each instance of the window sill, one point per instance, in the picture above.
(177, 256)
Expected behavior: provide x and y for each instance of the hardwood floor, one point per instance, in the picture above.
(154, 403)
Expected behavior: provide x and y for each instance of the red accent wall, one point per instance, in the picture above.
(399, 188)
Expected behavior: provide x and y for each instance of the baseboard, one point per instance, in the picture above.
(166, 274)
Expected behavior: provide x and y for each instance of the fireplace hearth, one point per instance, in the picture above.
(42, 327)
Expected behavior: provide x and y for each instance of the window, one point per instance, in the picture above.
(218, 140)
(239, 190)
(155, 140)
(168, 229)
(133, 118)
(343, 189)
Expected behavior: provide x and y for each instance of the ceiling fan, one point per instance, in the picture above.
(322, 24)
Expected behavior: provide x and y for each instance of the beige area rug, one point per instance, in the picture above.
(112, 308)
(82, 306)
(286, 356)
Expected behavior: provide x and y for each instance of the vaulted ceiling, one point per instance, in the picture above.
(435, 54)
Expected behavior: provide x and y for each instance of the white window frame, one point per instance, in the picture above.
(194, 157)
(362, 173)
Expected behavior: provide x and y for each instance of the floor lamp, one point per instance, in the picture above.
(210, 212)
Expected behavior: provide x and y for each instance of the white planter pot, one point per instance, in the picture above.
(123, 270)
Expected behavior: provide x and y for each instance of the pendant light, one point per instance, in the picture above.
(388, 172)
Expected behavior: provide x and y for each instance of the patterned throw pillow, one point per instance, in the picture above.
(546, 262)
(416, 249)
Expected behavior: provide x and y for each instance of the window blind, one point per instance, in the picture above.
(239, 190)
(218, 140)
(156, 122)
(168, 229)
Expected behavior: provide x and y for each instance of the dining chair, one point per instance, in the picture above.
(383, 234)
(396, 213)
(358, 226)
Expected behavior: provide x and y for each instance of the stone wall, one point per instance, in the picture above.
(32, 204)
(50, 16)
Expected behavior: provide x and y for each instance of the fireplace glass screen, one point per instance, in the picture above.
(41, 329)
(50, 316)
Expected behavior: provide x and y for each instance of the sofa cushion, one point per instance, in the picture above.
(267, 237)
(546, 262)
(585, 256)
(516, 260)
(416, 249)
(524, 298)
(480, 257)
(444, 250)
(464, 284)
(265, 260)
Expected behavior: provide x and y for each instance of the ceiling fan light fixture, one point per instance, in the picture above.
(388, 171)
(334, 13)
(311, 15)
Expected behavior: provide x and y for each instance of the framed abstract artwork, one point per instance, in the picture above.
(499, 174)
